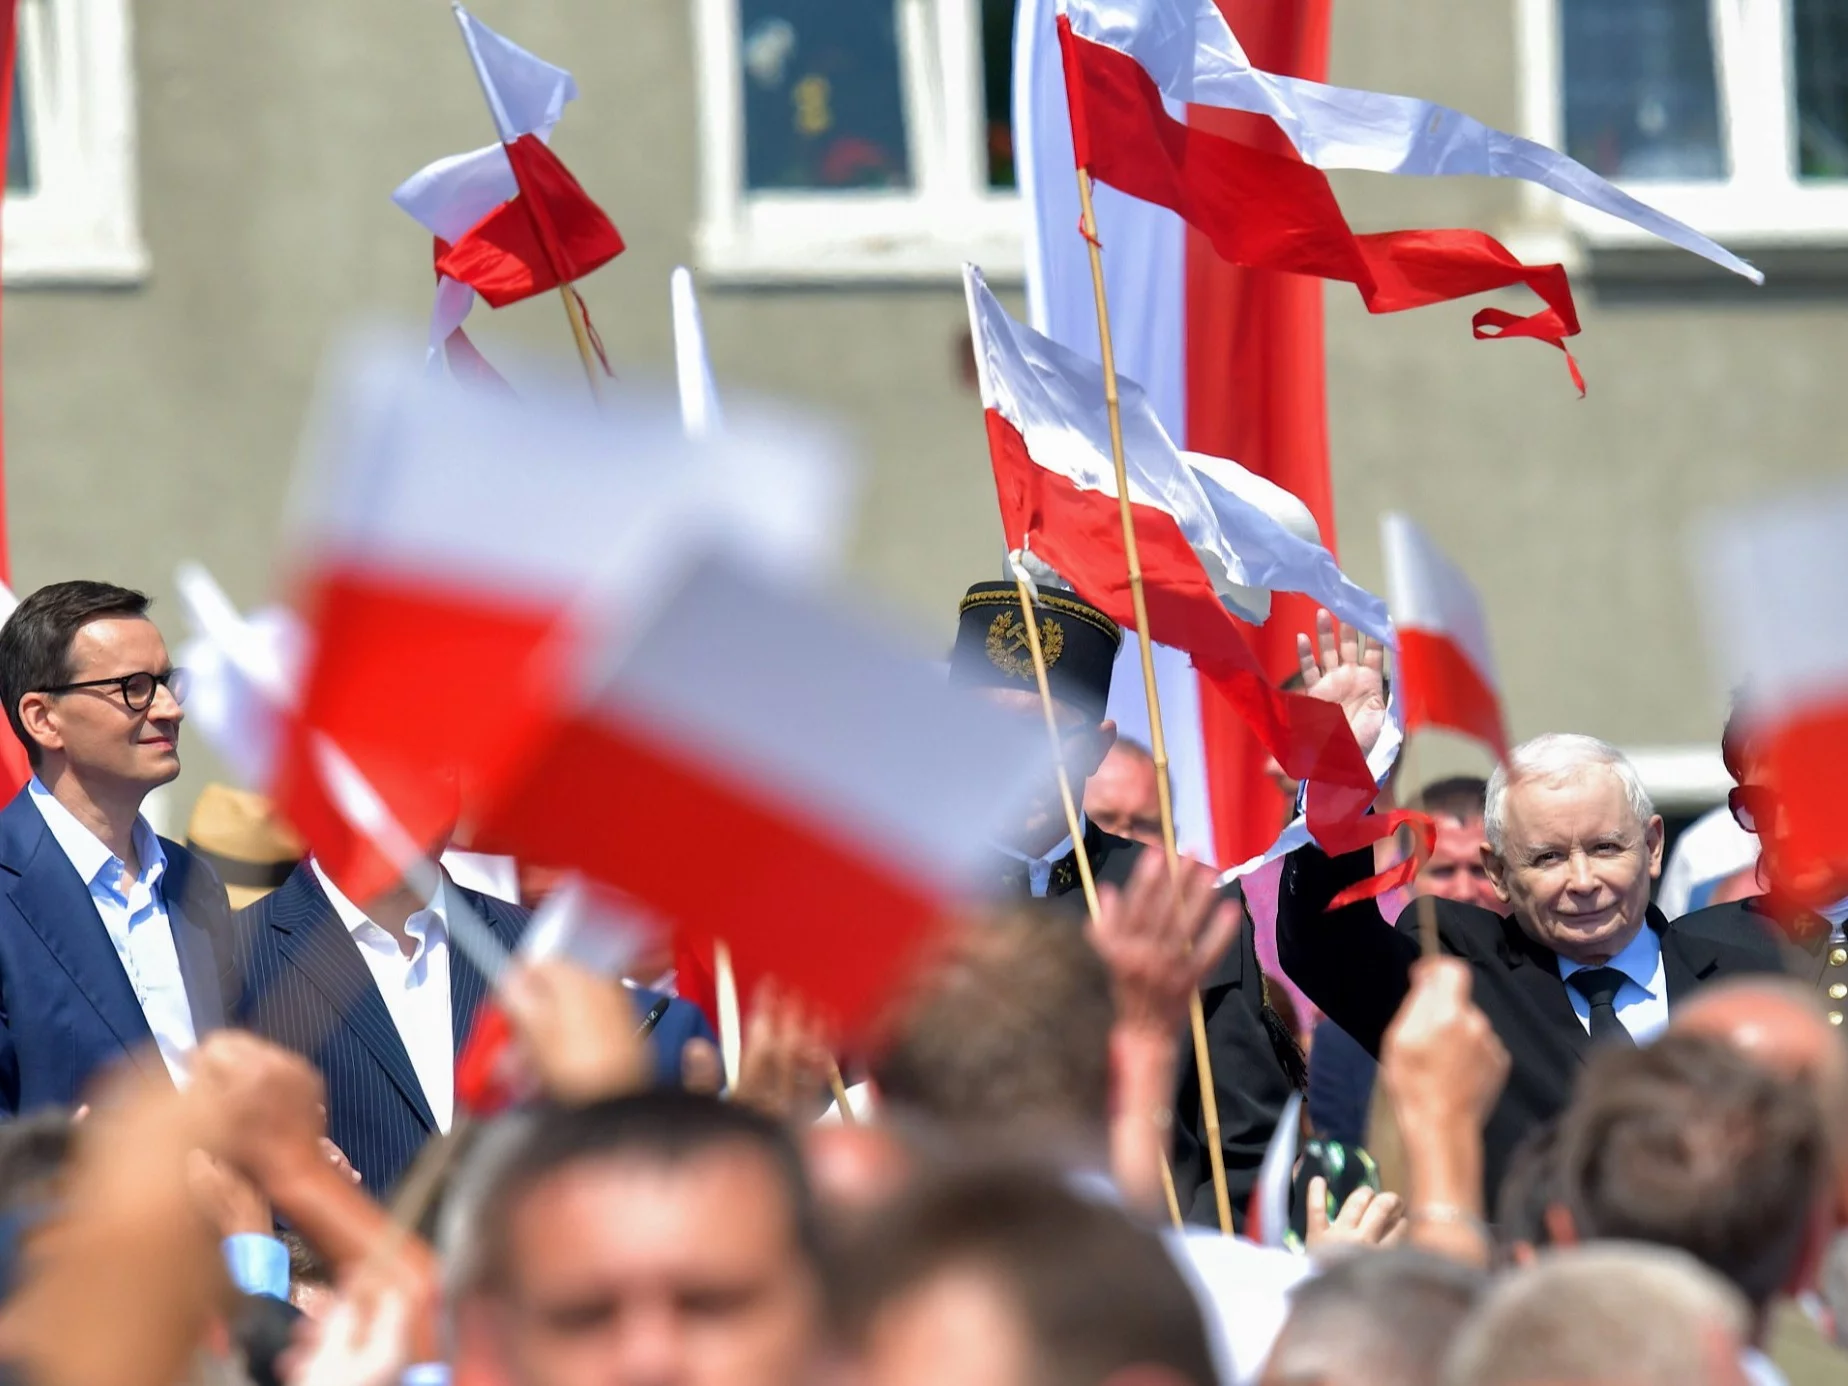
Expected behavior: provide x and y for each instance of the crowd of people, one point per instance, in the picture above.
(1532, 1129)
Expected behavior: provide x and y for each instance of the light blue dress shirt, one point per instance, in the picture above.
(1039, 869)
(134, 915)
(1641, 1002)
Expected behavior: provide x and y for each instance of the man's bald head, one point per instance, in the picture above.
(1778, 1024)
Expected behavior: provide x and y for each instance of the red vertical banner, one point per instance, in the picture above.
(9, 52)
(1256, 394)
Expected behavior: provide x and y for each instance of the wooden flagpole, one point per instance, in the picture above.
(1085, 876)
(580, 333)
(1158, 746)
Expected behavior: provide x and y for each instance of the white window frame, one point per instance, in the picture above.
(922, 234)
(1763, 202)
(79, 222)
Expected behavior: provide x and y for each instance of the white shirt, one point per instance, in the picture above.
(1039, 869)
(416, 989)
(134, 915)
(1837, 915)
(1641, 1002)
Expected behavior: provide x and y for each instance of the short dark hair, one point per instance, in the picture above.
(1686, 1143)
(35, 642)
(1462, 797)
(1528, 1188)
(664, 1127)
(1097, 1294)
(1010, 1028)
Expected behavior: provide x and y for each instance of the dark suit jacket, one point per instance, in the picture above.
(1249, 1054)
(1803, 936)
(67, 1008)
(302, 983)
(1357, 968)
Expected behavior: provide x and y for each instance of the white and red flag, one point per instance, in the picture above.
(1773, 583)
(1446, 674)
(1199, 542)
(509, 220)
(1188, 52)
(15, 769)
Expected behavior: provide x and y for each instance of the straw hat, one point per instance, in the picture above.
(252, 850)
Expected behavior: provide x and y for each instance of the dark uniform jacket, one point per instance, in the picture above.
(1255, 1062)
(1357, 968)
(1810, 952)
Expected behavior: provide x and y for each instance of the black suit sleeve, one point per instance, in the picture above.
(1249, 1079)
(1353, 964)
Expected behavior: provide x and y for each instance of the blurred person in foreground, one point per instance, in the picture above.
(1609, 1315)
(997, 1278)
(662, 1237)
(1815, 942)
(1384, 1320)
(1255, 1059)
(1025, 1041)
(1582, 960)
(380, 1000)
(1688, 1144)
(112, 935)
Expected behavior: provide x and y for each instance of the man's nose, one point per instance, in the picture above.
(166, 707)
(1583, 877)
(652, 1350)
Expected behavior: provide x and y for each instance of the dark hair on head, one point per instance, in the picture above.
(1096, 1294)
(1462, 797)
(35, 643)
(668, 1126)
(1528, 1188)
(1736, 737)
(1686, 1143)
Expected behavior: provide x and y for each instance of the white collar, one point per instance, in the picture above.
(436, 909)
(1836, 914)
(85, 849)
(1640, 960)
(1052, 855)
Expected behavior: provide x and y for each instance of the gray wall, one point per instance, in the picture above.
(151, 424)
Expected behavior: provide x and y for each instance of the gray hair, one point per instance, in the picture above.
(1386, 1318)
(1613, 1311)
(1554, 756)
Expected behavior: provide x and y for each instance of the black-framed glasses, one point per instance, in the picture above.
(137, 689)
(1751, 806)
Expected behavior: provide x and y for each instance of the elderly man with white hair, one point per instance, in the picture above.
(1583, 957)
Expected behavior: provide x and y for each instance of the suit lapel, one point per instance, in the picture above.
(1687, 960)
(192, 941)
(53, 900)
(311, 937)
(1535, 973)
(467, 987)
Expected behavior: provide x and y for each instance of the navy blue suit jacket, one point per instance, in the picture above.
(67, 1008)
(301, 983)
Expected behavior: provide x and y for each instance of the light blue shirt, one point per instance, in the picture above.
(1039, 869)
(1837, 915)
(134, 915)
(1641, 1002)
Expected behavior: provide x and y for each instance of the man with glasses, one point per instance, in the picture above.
(107, 932)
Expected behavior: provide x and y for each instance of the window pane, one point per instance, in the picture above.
(1641, 93)
(823, 107)
(18, 148)
(1820, 56)
(998, 88)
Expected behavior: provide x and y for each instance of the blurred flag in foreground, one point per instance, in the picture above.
(1446, 675)
(15, 769)
(1773, 582)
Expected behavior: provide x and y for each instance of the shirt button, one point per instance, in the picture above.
(1838, 956)
(1837, 990)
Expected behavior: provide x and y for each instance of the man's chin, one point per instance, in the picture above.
(1595, 941)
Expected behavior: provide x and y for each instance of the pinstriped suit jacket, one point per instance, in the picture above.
(300, 982)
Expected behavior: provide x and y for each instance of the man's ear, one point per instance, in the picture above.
(38, 715)
(1498, 872)
(1652, 840)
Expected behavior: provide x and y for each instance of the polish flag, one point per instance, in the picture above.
(15, 769)
(509, 220)
(1231, 360)
(1187, 50)
(1049, 440)
(1268, 211)
(1446, 674)
(438, 599)
(1773, 583)
(850, 793)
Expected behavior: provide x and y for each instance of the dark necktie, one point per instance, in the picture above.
(1599, 986)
